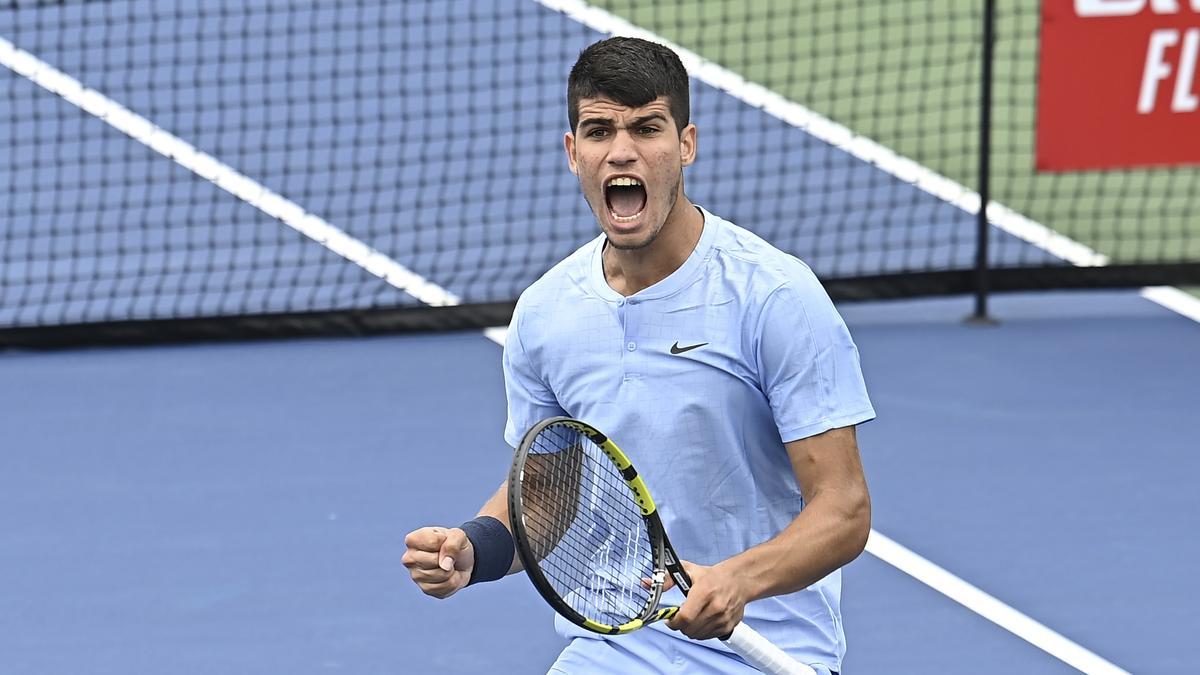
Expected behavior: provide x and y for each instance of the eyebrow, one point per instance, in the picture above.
(608, 122)
(639, 121)
(595, 122)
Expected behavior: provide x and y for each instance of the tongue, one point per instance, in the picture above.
(626, 201)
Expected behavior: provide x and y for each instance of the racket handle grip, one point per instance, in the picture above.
(762, 654)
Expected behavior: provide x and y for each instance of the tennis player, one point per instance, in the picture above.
(721, 366)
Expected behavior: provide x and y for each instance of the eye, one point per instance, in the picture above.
(648, 131)
(597, 133)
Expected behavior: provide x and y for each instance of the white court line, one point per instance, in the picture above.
(496, 335)
(223, 176)
(989, 607)
(1174, 299)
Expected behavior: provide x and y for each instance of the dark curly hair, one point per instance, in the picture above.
(632, 72)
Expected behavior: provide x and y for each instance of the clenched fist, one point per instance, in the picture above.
(439, 559)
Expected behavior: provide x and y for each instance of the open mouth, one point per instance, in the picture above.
(626, 198)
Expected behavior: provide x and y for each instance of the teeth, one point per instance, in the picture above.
(624, 181)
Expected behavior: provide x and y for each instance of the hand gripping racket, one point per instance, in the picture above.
(590, 538)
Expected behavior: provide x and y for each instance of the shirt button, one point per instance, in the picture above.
(620, 303)
(631, 346)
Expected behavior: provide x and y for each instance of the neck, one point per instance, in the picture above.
(630, 271)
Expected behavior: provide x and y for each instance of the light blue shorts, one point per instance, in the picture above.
(648, 652)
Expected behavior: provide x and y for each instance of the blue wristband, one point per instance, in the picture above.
(494, 548)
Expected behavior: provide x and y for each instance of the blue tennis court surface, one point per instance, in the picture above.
(240, 508)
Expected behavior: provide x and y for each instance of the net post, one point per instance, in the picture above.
(980, 314)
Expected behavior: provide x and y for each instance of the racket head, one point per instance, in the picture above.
(586, 528)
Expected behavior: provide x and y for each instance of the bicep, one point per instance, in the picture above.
(837, 509)
(828, 462)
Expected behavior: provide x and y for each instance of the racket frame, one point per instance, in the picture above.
(744, 641)
(665, 560)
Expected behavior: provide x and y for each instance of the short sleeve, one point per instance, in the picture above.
(808, 363)
(529, 399)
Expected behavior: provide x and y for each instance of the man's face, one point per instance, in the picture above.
(630, 165)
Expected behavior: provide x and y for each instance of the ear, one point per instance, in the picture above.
(569, 144)
(687, 145)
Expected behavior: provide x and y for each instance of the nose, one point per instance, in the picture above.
(622, 152)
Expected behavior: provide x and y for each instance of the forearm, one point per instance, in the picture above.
(830, 532)
(497, 507)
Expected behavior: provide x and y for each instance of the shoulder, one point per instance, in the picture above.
(555, 295)
(764, 271)
(567, 280)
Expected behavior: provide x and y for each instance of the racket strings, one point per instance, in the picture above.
(584, 528)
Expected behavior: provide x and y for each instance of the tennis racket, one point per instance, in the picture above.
(591, 540)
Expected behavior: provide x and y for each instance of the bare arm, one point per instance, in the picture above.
(831, 530)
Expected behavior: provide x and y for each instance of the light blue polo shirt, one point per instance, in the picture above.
(700, 379)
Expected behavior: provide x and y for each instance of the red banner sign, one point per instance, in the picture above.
(1118, 84)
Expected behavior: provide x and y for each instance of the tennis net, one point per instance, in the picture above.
(263, 167)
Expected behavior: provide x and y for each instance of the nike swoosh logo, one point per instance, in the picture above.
(676, 349)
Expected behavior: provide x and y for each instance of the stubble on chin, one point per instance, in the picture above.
(653, 235)
(638, 245)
